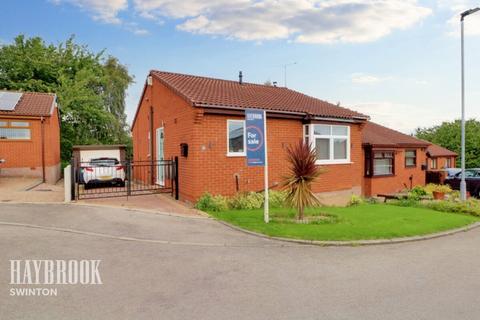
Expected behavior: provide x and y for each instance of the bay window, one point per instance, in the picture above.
(330, 142)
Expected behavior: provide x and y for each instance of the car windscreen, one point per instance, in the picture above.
(104, 162)
(468, 174)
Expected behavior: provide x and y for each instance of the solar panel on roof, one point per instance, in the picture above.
(8, 100)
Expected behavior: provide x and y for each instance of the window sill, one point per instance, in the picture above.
(325, 163)
(15, 140)
(236, 155)
(410, 167)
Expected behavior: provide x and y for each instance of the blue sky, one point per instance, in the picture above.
(397, 61)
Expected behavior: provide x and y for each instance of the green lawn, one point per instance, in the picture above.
(366, 221)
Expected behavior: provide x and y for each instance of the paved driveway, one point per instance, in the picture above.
(162, 267)
(18, 189)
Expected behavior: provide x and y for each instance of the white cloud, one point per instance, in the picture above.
(398, 116)
(101, 10)
(362, 78)
(308, 21)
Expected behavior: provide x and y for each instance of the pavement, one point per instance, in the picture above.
(160, 203)
(26, 189)
(168, 267)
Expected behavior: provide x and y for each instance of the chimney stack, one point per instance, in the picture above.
(240, 77)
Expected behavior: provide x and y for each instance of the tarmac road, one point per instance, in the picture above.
(165, 267)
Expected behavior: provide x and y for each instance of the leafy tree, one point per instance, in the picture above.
(90, 87)
(303, 173)
(448, 135)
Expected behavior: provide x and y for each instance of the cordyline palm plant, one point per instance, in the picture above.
(303, 172)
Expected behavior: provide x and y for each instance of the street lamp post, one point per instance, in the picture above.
(463, 184)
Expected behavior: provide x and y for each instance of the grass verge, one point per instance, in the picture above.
(361, 222)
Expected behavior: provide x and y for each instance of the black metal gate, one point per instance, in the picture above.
(108, 177)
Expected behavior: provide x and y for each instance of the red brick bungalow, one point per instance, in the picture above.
(393, 161)
(208, 115)
(359, 157)
(440, 158)
(29, 135)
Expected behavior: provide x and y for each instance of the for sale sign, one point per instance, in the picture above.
(255, 131)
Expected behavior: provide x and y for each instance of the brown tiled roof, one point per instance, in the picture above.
(434, 150)
(210, 92)
(33, 104)
(377, 135)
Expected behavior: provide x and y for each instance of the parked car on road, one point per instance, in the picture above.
(451, 172)
(103, 172)
(472, 178)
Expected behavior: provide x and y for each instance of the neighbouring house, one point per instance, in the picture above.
(206, 116)
(440, 158)
(393, 161)
(30, 135)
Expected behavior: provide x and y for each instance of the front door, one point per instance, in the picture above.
(160, 167)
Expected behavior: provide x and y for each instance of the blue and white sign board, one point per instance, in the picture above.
(255, 131)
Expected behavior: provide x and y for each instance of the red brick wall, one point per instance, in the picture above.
(396, 183)
(52, 138)
(177, 117)
(28, 153)
(207, 167)
(217, 171)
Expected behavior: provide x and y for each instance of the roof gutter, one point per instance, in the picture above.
(303, 114)
(394, 145)
(206, 105)
(334, 119)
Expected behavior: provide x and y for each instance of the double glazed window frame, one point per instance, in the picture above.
(407, 157)
(310, 137)
(13, 125)
(236, 153)
(372, 155)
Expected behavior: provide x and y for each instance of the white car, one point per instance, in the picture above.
(103, 172)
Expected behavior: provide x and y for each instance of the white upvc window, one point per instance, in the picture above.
(330, 142)
(236, 138)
